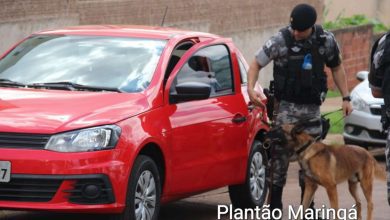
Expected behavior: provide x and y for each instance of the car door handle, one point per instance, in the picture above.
(238, 118)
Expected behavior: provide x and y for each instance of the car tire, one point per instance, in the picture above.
(143, 193)
(253, 192)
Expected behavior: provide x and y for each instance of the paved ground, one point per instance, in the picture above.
(204, 206)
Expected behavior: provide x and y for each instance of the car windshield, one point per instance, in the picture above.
(117, 63)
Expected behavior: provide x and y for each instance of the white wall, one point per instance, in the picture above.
(249, 42)
(12, 33)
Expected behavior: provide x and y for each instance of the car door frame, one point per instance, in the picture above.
(238, 169)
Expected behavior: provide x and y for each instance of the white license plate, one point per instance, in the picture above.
(5, 171)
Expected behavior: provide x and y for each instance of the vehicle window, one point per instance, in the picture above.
(127, 64)
(177, 53)
(243, 71)
(210, 65)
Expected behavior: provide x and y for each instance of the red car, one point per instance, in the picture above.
(119, 119)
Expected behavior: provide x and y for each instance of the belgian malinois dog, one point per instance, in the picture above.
(328, 165)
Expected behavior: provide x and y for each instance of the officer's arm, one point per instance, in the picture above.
(262, 58)
(340, 80)
(334, 62)
(253, 75)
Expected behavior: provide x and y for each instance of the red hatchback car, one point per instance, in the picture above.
(119, 119)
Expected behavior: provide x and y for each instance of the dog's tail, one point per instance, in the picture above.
(380, 172)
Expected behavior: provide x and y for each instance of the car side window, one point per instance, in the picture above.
(243, 71)
(175, 57)
(210, 65)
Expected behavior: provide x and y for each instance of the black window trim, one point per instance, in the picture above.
(240, 62)
(233, 92)
(190, 42)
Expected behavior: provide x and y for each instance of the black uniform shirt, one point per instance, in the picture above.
(275, 49)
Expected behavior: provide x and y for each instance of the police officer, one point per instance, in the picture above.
(299, 51)
(379, 78)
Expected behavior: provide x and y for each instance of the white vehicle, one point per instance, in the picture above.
(363, 126)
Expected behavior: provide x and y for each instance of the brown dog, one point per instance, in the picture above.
(330, 165)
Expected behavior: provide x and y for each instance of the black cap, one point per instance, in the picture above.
(302, 17)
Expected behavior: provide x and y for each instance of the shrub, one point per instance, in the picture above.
(355, 20)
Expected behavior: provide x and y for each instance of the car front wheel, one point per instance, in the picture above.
(252, 193)
(144, 190)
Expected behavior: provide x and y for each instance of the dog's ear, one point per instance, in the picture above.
(287, 128)
(290, 130)
(304, 123)
(297, 129)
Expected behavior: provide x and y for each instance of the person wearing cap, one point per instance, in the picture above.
(300, 52)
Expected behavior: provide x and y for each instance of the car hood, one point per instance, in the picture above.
(53, 111)
(363, 91)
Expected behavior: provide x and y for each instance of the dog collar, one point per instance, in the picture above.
(304, 147)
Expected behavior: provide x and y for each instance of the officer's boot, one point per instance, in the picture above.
(388, 194)
(388, 189)
(276, 198)
(302, 185)
(388, 170)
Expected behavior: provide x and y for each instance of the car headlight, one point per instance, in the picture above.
(89, 139)
(358, 103)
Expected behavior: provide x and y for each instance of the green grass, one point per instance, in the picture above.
(336, 125)
(333, 93)
(342, 22)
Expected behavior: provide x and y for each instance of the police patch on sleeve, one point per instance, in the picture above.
(268, 44)
(321, 50)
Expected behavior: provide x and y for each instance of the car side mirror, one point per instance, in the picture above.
(189, 91)
(362, 75)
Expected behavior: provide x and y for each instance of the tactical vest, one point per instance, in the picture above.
(292, 83)
(376, 77)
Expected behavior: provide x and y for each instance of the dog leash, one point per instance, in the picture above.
(271, 176)
(329, 113)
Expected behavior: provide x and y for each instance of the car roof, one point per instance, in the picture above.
(127, 31)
